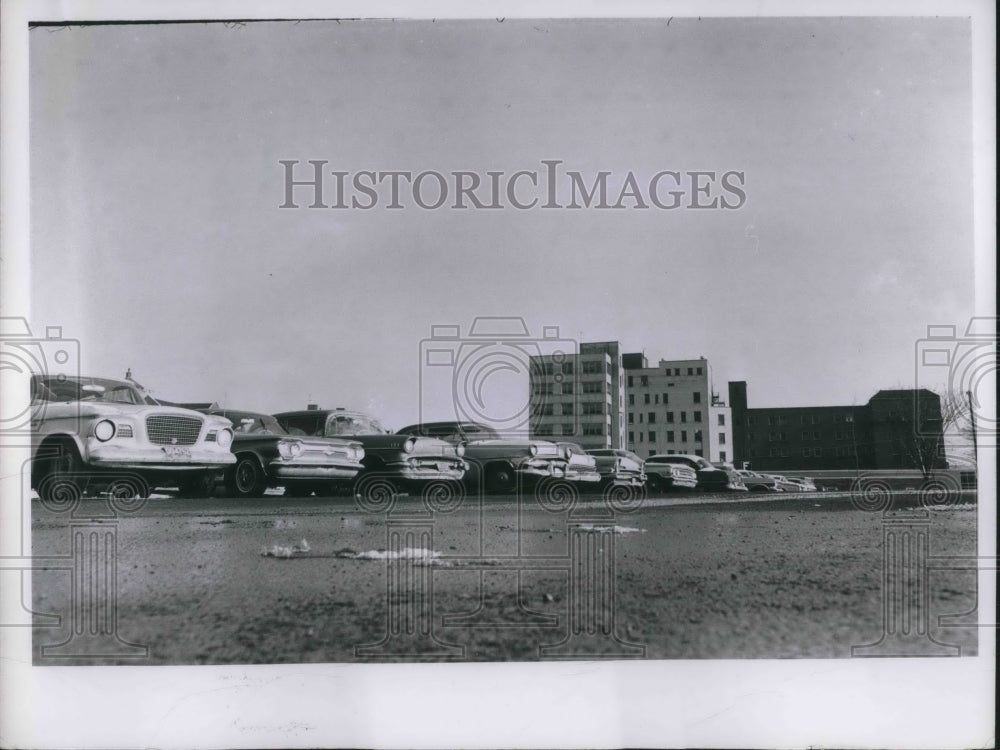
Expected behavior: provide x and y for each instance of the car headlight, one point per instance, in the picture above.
(567, 453)
(409, 445)
(224, 438)
(533, 450)
(104, 430)
(289, 448)
(460, 450)
(358, 452)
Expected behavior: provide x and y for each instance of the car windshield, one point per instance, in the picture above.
(89, 389)
(353, 424)
(245, 423)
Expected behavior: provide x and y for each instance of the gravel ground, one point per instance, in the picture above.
(305, 580)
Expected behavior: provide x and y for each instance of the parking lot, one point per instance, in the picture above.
(285, 579)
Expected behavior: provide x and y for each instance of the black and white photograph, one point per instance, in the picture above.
(486, 376)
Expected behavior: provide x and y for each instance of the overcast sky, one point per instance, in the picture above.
(157, 239)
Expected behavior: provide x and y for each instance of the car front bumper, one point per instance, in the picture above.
(429, 470)
(282, 469)
(157, 458)
(630, 478)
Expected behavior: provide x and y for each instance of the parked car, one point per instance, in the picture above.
(784, 484)
(758, 482)
(664, 475)
(498, 464)
(98, 432)
(805, 484)
(582, 467)
(404, 460)
(709, 478)
(267, 456)
(619, 466)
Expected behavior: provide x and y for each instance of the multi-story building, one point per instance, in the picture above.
(897, 429)
(579, 397)
(672, 408)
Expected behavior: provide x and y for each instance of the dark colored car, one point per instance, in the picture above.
(407, 461)
(710, 478)
(267, 456)
(498, 464)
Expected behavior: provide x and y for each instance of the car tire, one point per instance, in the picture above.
(63, 479)
(500, 477)
(246, 478)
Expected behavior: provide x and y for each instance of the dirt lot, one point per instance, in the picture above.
(307, 580)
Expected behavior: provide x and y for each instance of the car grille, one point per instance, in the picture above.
(172, 430)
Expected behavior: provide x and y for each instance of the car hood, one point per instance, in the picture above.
(492, 448)
(56, 409)
(424, 446)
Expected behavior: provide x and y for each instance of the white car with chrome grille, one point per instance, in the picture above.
(97, 432)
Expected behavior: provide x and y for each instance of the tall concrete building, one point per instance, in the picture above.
(673, 408)
(579, 397)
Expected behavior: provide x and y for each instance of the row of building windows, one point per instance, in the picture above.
(650, 417)
(774, 420)
(566, 368)
(548, 410)
(644, 379)
(780, 436)
(784, 452)
(568, 430)
(671, 434)
(654, 398)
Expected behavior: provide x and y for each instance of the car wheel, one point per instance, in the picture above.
(246, 478)
(63, 479)
(500, 478)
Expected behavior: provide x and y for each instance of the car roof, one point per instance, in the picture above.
(423, 427)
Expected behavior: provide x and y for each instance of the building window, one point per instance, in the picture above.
(592, 368)
(697, 397)
(567, 368)
(697, 436)
(547, 410)
(666, 399)
(816, 435)
(548, 368)
(722, 455)
(699, 371)
(652, 437)
(640, 417)
(645, 398)
(631, 399)
(629, 381)
(849, 418)
(690, 371)
(722, 420)
(643, 380)
(670, 436)
(804, 435)
(684, 416)
(670, 417)
(817, 452)
(656, 398)
(568, 429)
(684, 436)
(631, 437)
(593, 387)
(749, 421)
(567, 388)
(592, 429)
(651, 417)
(722, 438)
(544, 430)
(593, 408)
(631, 417)
(806, 452)
(697, 416)
(838, 435)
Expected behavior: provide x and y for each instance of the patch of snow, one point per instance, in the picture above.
(612, 529)
(285, 552)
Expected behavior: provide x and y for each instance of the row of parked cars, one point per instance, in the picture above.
(114, 435)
